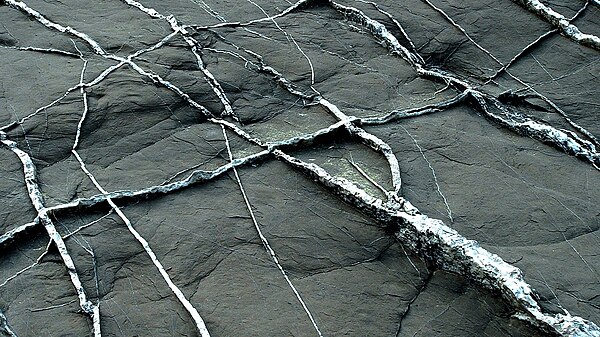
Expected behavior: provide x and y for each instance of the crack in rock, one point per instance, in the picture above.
(438, 244)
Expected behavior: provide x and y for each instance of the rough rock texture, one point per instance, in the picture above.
(318, 168)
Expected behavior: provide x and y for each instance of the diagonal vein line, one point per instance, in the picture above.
(200, 325)
(37, 201)
(264, 240)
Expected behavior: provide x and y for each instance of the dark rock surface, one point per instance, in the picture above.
(268, 168)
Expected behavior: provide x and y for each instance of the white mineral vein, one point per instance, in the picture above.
(428, 237)
(200, 325)
(4, 328)
(37, 201)
(560, 22)
(264, 240)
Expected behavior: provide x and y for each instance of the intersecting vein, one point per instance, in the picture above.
(450, 251)
(289, 37)
(523, 51)
(98, 50)
(101, 77)
(265, 242)
(397, 23)
(533, 44)
(522, 124)
(429, 237)
(504, 68)
(380, 31)
(200, 325)
(38, 203)
(560, 22)
(462, 30)
(373, 142)
(219, 91)
(298, 5)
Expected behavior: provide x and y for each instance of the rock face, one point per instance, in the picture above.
(318, 168)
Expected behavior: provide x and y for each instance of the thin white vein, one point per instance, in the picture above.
(195, 177)
(50, 307)
(225, 23)
(520, 123)
(504, 67)
(589, 267)
(43, 50)
(264, 240)
(435, 179)
(416, 112)
(535, 42)
(373, 142)
(521, 53)
(37, 261)
(453, 251)
(310, 64)
(397, 23)
(95, 81)
(218, 90)
(366, 176)
(89, 224)
(457, 26)
(103, 75)
(38, 203)
(286, 11)
(200, 325)
(380, 31)
(159, 80)
(561, 22)
(178, 29)
(289, 37)
(209, 10)
(84, 97)
(43, 20)
(47, 106)
(98, 50)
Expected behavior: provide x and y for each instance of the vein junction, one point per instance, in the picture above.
(430, 238)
